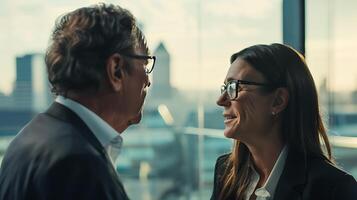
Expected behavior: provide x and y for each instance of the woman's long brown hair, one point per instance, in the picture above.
(302, 127)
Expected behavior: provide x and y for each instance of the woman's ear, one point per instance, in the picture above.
(281, 99)
(114, 68)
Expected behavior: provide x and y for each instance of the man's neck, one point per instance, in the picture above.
(101, 107)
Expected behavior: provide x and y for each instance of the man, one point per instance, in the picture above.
(98, 67)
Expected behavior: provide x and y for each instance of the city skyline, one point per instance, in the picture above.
(179, 29)
(200, 40)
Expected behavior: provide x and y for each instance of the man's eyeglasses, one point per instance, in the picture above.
(150, 61)
(231, 87)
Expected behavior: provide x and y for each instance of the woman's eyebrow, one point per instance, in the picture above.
(229, 79)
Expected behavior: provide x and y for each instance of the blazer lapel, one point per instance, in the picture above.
(61, 112)
(114, 173)
(293, 177)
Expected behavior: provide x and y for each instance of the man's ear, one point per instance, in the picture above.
(114, 67)
(281, 100)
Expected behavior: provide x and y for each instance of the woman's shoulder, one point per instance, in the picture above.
(223, 158)
(220, 167)
(321, 167)
(221, 163)
(324, 174)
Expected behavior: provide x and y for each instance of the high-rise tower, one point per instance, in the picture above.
(161, 87)
(32, 89)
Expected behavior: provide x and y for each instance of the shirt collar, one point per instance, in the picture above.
(268, 189)
(101, 129)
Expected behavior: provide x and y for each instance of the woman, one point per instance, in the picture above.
(281, 149)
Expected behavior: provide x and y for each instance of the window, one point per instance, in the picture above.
(331, 51)
(173, 151)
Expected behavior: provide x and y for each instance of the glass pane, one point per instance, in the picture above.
(171, 154)
(331, 51)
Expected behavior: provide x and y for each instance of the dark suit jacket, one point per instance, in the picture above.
(56, 156)
(312, 178)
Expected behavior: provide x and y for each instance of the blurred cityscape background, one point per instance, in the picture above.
(172, 152)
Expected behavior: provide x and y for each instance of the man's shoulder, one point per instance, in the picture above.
(44, 130)
(46, 139)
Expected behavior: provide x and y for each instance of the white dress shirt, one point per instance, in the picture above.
(268, 190)
(107, 136)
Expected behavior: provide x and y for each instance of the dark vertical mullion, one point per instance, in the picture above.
(294, 24)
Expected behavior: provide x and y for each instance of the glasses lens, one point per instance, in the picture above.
(150, 65)
(232, 90)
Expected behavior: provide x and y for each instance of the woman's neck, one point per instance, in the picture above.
(265, 155)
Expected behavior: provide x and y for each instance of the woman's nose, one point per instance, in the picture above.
(222, 99)
(148, 83)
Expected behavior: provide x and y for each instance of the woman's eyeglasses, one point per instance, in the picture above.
(232, 86)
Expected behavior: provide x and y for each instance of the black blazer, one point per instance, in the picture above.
(56, 156)
(312, 178)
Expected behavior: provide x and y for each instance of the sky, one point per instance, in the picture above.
(331, 41)
(200, 41)
(199, 35)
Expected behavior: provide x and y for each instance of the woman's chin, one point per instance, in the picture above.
(233, 131)
(229, 133)
(231, 128)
